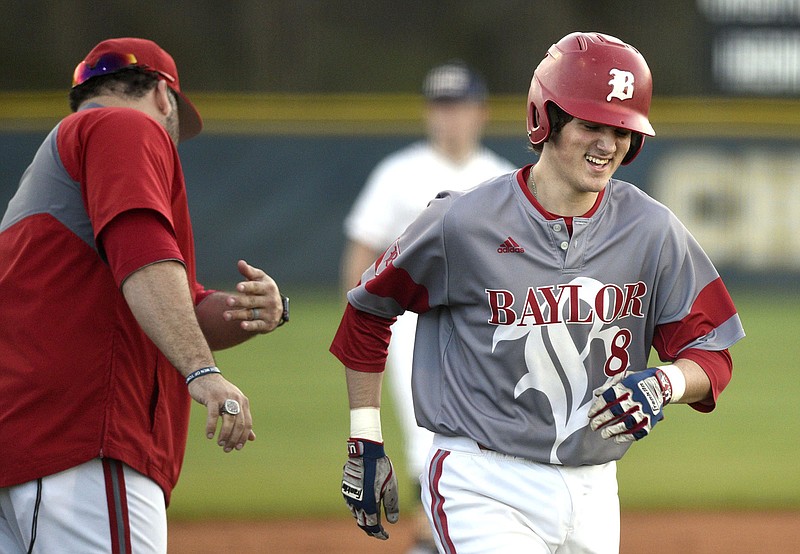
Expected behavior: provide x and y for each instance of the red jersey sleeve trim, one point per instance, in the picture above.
(718, 365)
(712, 308)
(361, 342)
(135, 239)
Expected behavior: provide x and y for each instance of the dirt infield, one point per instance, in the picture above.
(670, 533)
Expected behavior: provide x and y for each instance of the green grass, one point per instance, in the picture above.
(744, 455)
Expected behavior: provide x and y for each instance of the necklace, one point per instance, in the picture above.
(532, 185)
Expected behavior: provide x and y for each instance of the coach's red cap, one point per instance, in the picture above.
(118, 53)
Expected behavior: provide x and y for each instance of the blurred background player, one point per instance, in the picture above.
(398, 189)
(540, 295)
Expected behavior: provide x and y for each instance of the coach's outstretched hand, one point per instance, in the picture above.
(257, 303)
(368, 481)
(628, 410)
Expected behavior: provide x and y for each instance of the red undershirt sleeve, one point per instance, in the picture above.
(201, 293)
(718, 365)
(135, 239)
(362, 340)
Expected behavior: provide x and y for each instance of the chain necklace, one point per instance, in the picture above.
(532, 185)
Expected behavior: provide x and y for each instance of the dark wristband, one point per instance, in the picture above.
(202, 371)
(285, 314)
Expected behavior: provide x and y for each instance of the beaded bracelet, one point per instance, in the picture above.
(200, 372)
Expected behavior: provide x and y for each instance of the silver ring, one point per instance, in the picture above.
(230, 407)
(255, 314)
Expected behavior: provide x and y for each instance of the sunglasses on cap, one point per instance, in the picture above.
(110, 63)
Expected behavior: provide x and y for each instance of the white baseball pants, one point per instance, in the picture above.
(483, 502)
(99, 507)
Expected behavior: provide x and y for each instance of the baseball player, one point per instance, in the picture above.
(540, 294)
(397, 190)
(106, 333)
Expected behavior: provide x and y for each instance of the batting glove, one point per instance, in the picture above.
(628, 410)
(368, 480)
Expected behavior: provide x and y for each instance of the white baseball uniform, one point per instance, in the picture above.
(395, 193)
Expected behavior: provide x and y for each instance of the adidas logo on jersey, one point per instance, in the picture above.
(510, 246)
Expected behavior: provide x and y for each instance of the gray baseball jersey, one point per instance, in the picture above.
(520, 321)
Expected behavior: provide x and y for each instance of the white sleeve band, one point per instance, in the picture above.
(676, 379)
(365, 423)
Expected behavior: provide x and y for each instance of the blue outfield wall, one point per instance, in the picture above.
(281, 201)
(278, 201)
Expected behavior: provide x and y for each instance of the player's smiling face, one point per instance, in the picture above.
(585, 154)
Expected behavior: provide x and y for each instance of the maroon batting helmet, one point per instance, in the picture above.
(597, 78)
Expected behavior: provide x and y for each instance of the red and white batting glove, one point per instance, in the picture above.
(629, 409)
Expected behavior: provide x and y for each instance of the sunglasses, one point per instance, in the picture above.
(110, 63)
